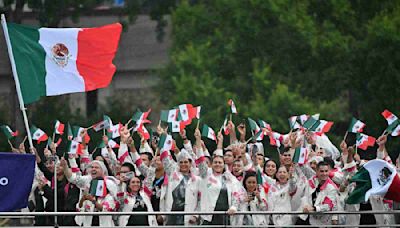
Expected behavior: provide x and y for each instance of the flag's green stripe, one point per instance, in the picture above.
(29, 58)
(296, 155)
(363, 184)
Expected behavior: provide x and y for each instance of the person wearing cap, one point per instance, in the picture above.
(89, 201)
(220, 190)
(181, 191)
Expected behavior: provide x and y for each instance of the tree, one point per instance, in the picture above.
(280, 58)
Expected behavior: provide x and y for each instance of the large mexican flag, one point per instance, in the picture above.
(376, 177)
(54, 61)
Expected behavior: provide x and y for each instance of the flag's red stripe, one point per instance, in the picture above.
(96, 50)
(393, 191)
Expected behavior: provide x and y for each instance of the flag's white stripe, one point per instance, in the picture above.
(60, 80)
(380, 182)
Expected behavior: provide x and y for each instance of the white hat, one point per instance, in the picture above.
(184, 154)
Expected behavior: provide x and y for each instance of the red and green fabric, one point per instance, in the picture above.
(74, 147)
(38, 134)
(108, 119)
(300, 155)
(275, 139)
(253, 125)
(208, 132)
(114, 130)
(389, 116)
(322, 126)
(59, 127)
(98, 188)
(376, 177)
(165, 143)
(356, 126)
(55, 61)
(265, 125)
(140, 118)
(8, 132)
(176, 126)
(363, 141)
(74, 132)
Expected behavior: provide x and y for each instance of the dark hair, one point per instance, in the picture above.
(149, 155)
(247, 175)
(130, 166)
(322, 163)
(265, 164)
(330, 162)
(140, 186)
(284, 150)
(287, 170)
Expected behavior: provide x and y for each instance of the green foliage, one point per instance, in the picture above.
(282, 58)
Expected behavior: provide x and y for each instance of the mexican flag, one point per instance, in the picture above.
(176, 126)
(300, 155)
(140, 118)
(108, 119)
(233, 106)
(376, 177)
(75, 132)
(59, 128)
(165, 143)
(8, 132)
(98, 188)
(322, 126)
(114, 130)
(310, 123)
(74, 147)
(253, 125)
(265, 125)
(363, 141)
(389, 116)
(55, 61)
(197, 110)
(184, 111)
(169, 115)
(356, 126)
(208, 132)
(38, 134)
(104, 124)
(302, 118)
(293, 122)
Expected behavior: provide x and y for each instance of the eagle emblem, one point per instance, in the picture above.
(60, 54)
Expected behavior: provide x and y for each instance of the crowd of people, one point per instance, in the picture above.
(189, 178)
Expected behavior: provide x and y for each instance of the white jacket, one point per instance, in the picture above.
(174, 178)
(326, 200)
(128, 204)
(257, 205)
(210, 187)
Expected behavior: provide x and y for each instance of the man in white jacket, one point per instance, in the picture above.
(322, 196)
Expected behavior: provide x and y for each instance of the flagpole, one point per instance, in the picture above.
(55, 188)
(15, 75)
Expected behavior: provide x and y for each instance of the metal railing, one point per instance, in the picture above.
(22, 215)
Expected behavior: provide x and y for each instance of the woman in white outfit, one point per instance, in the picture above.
(220, 190)
(280, 195)
(255, 200)
(135, 199)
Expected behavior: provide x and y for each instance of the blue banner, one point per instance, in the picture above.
(16, 177)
